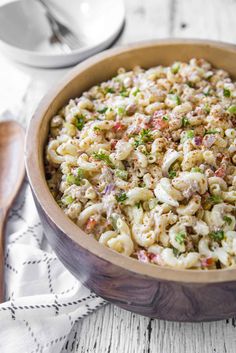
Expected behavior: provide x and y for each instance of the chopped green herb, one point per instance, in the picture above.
(175, 68)
(79, 122)
(136, 92)
(188, 135)
(172, 174)
(121, 197)
(124, 92)
(174, 98)
(67, 200)
(176, 252)
(210, 132)
(196, 170)
(208, 75)
(103, 157)
(165, 118)
(120, 110)
(218, 235)
(185, 121)
(138, 204)
(207, 109)
(232, 109)
(122, 174)
(109, 90)
(180, 237)
(190, 84)
(71, 179)
(144, 137)
(228, 220)
(207, 91)
(226, 92)
(96, 128)
(102, 110)
(214, 199)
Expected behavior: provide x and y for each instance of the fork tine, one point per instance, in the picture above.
(72, 41)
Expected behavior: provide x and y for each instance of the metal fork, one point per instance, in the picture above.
(61, 33)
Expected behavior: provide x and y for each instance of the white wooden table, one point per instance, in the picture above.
(110, 329)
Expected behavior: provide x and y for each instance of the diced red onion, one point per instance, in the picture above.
(109, 188)
(209, 140)
(156, 258)
(142, 256)
(198, 140)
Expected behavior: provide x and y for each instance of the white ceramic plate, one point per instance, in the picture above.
(25, 31)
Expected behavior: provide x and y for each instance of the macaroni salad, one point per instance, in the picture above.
(146, 164)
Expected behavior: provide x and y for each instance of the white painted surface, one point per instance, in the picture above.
(112, 330)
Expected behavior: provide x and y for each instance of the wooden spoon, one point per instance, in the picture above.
(12, 171)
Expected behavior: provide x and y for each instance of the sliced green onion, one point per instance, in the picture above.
(189, 134)
(175, 68)
(122, 174)
(180, 237)
(185, 121)
(174, 98)
(67, 200)
(71, 179)
(232, 109)
(196, 170)
(120, 110)
(136, 92)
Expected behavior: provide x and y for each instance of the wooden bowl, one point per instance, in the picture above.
(180, 295)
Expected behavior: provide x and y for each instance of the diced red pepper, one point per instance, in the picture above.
(220, 172)
(91, 224)
(118, 126)
(207, 262)
(113, 144)
(159, 123)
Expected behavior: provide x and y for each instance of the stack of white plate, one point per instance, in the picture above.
(25, 31)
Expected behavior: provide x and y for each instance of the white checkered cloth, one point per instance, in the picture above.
(43, 299)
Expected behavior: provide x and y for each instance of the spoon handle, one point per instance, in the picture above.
(2, 226)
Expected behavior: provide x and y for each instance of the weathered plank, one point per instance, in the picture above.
(113, 330)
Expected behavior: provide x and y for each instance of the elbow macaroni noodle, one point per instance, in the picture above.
(146, 164)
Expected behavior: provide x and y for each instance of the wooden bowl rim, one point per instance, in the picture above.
(57, 216)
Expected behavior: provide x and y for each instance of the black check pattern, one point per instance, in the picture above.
(44, 301)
